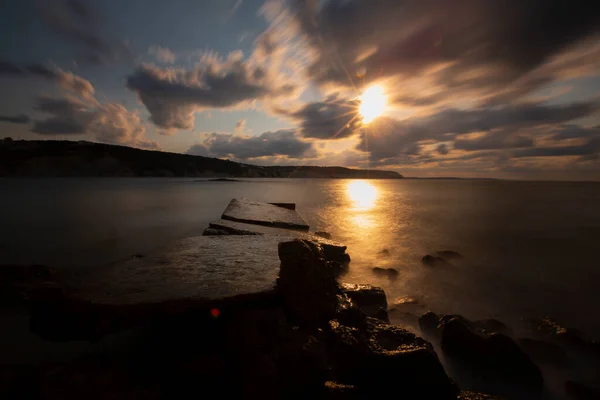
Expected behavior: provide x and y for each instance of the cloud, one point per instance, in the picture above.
(9, 68)
(107, 123)
(437, 48)
(332, 118)
(240, 126)
(66, 80)
(389, 140)
(75, 21)
(15, 119)
(162, 54)
(172, 96)
(283, 143)
(442, 149)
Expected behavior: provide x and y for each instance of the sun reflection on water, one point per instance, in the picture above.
(362, 194)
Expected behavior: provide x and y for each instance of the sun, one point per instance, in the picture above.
(372, 103)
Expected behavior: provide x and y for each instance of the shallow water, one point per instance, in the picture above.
(529, 248)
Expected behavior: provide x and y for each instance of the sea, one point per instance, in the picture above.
(529, 249)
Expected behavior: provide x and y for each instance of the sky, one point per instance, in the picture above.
(465, 88)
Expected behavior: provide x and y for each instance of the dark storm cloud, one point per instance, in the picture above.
(9, 68)
(280, 143)
(173, 95)
(387, 138)
(484, 42)
(333, 118)
(76, 21)
(15, 119)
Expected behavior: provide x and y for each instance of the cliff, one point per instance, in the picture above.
(69, 158)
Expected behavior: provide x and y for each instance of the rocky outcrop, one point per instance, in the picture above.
(369, 299)
(368, 354)
(389, 273)
(544, 352)
(323, 234)
(496, 354)
(433, 261)
(383, 358)
(18, 282)
(573, 338)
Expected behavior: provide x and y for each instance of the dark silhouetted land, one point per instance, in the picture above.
(76, 159)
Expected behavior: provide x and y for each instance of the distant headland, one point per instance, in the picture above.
(53, 158)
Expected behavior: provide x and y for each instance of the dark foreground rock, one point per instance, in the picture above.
(544, 352)
(363, 352)
(18, 282)
(496, 354)
(573, 338)
(371, 300)
(580, 391)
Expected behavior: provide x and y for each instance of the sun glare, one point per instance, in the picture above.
(372, 103)
(362, 194)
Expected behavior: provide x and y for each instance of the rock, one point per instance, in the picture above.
(193, 274)
(18, 282)
(428, 323)
(568, 336)
(580, 391)
(137, 255)
(448, 254)
(289, 206)
(384, 358)
(492, 325)
(224, 180)
(252, 212)
(219, 232)
(544, 352)
(468, 395)
(496, 353)
(390, 273)
(239, 228)
(433, 261)
(19, 382)
(338, 391)
(307, 283)
(370, 300)
(323, 234)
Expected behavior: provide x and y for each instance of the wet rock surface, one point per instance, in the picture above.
(247, 211)
(369, 299)
(18, 282)
(323, 234)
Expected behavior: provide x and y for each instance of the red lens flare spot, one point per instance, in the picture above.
(215, 312)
